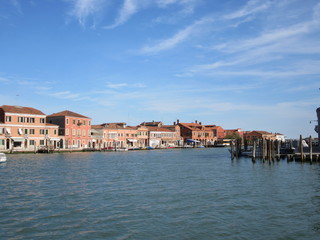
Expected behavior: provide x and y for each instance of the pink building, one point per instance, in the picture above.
(25, 129)
(75, 129)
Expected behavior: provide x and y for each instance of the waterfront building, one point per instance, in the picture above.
(196, 133)
(25, 129)
(162, 136)
(115, 136)
(254, 135)
(218, 132)
(234, 133)
(142, 136)
(74, 128)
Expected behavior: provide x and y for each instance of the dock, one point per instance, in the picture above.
(273, 150)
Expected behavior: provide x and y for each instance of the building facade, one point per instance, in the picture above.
(196, 133)
(25, 129)
(74, 128)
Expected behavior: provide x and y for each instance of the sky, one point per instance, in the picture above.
(249, 64)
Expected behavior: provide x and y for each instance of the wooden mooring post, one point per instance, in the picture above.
(232, 149)
(301, 149)
(310, 149)
(254, 150)
(278, 149)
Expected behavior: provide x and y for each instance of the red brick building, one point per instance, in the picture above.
(197, 133)
(74, 127)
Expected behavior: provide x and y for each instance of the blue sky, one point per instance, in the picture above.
(249, 64)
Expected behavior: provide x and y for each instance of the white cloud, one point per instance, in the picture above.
(176, 39)
(2, 79)
(252, 7)
(116, 85)
(129, 8)
(82, 9)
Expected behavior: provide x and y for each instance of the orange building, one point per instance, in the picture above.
(253, 135)
(25, 129)
(74, 127)
(196, 133)
(218, 132)
(234, 133)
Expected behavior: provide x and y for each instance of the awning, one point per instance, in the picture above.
(194, 141)
(54, 139)
(17, 139)
(131, 140)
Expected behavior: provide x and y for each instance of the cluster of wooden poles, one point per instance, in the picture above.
(268, 149)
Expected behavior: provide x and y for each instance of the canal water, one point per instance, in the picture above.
(158, 194)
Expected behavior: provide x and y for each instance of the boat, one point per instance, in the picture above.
(150, 148)
(223, 143)
(3, 157)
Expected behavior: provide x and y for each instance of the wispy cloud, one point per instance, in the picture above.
(17, 5)
(82, 9)
(176, 39)
(129, 8)
(3, 79)
(116, 85)
(272, 46)
(252, 7)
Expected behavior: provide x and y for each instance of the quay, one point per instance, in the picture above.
(271, 150)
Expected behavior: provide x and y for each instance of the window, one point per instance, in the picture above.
(20, 119)
(8, 118)
(25, 131)
(89, 123)
(31, 131)
(41, 120)
(31, 120)
(79, 132)
(42, 131)
(1, 141)
(31, 142)
(67, 131)
(47, 131)
(73, 132)
(42, 142)
(84, 133)
(73, 122)
(1, 130)
(84, 122)
(26, 119)
(67, 120)
(55, 132)
(20, 131)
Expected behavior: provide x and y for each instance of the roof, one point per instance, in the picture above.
(67, 113)
(261, 132)
(194, 126)
(22, 110)
(117, 125)
(158, 129)
(153, 123)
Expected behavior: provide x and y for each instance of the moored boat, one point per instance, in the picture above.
(3, 157)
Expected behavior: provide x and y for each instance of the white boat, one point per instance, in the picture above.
(3, 157)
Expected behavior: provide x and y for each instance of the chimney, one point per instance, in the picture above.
(174, 123)
(200, 123)
(178, 121)
(196, 121)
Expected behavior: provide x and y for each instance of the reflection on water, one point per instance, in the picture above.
(165, 194)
